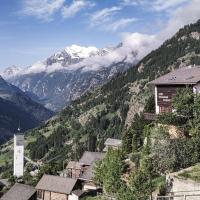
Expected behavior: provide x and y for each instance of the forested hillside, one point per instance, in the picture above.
(17, 108)
(109, 111)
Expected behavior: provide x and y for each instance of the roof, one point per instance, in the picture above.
(185, 75)
(89, 158)
(113, 142)
(73, 165)
(19, 192)
(56, 184)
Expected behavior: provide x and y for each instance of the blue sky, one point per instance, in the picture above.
(31, 30)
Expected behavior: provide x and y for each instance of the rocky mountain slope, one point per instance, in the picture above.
(109, 110)
(15, 107)
(68, 74)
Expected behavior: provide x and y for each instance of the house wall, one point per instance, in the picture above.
(156, 101)
(73, 173)
(89, 186)
(57, 196)
(196, 88)
(164, 95)
(53, 196)
(73, 197)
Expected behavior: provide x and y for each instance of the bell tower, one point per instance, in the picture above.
(18, 154)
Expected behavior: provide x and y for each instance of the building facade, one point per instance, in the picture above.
(165, 87)
(56, 188)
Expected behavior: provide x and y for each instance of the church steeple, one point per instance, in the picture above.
(18, 153)
(19, 128)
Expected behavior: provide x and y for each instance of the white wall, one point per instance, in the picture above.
(156, 100)
(73, 197)
(18, 158)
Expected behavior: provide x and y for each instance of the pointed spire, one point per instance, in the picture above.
(19, 129)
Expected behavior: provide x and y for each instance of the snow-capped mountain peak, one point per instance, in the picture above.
(76, 51)
(10, 71)
(68, 74)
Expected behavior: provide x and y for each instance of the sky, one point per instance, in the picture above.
(32, 30)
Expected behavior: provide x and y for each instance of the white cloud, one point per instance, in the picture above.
(133, 2)
(161, 5)
(42, 9)
(75, 7)
(105, 19)
(135, 45)
(157, 5)
(104, 15)
(181, 16)
(118, 24)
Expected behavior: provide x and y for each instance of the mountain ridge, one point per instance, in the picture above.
(17, 107)
(69, 74)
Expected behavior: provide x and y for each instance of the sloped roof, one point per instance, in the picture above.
(113, 142)
(19, 192)
(89, 158)
(56, 184)
(185, 75)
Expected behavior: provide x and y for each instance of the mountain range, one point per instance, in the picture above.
(17, 109)
(67, 75)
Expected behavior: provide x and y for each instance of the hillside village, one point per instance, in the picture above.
(132, 168)
(137, 137)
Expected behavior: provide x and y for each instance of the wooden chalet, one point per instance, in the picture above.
(56, 188)
(166, 86)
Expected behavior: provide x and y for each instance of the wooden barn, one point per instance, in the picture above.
(56, 188)
(166, 86)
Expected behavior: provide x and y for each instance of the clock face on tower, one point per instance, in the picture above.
(19, 151)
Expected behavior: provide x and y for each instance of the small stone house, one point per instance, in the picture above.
(20, 192)
(56, 188)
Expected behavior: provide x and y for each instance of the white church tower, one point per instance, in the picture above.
(18, 154)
